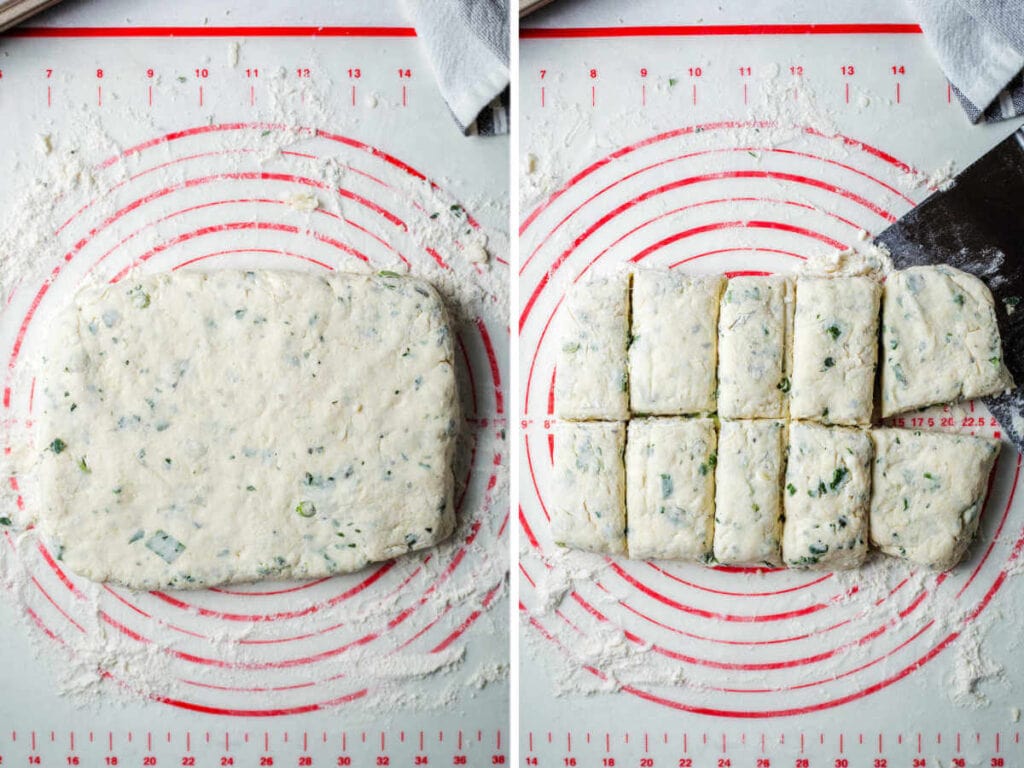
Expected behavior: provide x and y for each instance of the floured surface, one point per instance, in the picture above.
(230, 183)
(672, 170)
(203, 428)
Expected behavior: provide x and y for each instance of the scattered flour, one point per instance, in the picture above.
(555, 147)
(866, 258)
(101, 664)
(974, 671)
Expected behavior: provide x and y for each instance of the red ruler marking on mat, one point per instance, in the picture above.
(100, 32)
(710, 30)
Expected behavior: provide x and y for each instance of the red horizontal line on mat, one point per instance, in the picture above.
(698, 30)
(212, 32)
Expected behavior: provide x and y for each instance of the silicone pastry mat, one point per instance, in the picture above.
(712, 141)
(203, 144)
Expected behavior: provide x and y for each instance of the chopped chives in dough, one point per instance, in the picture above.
(753, 378)
(826, 497)
(200, 428)
(940, 340)
(591, 381)
(928, 492)
(670, 488)
(674, 341)
(588, 509)
(748, 502)
(835, 349)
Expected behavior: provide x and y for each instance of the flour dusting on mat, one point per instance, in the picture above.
(621, 188)
(374, 641)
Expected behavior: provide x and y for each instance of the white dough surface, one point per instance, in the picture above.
(928, 493)
(199, 428)
(826, 497)
(670, 488)
(748, 492)
(674, 343)
(835, 349)
(588, 510)
(753, 366)
(591, 380)
(940, 340)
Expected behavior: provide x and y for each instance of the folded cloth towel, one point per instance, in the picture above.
(980, 45)
(467, 43)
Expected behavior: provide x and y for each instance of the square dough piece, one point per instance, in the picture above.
(210, 427)
(928, 493)
(674, 343)
(591, 382)
(589, 509)
(835, 349)
(940, 340)
(826, 497)
(748, 498)
(753, 331)
(670, 488)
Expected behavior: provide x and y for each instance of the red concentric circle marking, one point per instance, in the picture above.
(741, 637)
(214, 213)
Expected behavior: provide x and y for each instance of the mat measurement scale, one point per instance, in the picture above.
(193, 112)
(737, 146)
(256, 747)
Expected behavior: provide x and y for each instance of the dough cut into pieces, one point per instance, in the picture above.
(670, 488)
(591, 381)
(748, 499)
(753, 331)
(835, 349)
(208, 427)
(928, 492)
(588, 510)
(827, 497)
(940, 340)
(674, 343)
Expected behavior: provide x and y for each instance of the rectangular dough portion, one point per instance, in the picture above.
(753, 367)
(748, 499)
(208, 427)
(928, 492)
(589, 508)
(835, 349)
(591, 381)
(827, 495)
(940, 339)
(674, 343)
(670, 488)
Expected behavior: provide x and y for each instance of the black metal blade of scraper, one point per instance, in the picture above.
(978, 226)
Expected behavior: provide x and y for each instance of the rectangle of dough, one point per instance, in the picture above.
(753, 366)
(928, 492)
(827, 495)
(589, 508)
(674, 343)
(670, 488)
(591, 381)
(940, 339)
(208, 427)
(835, 349)
(748, 499)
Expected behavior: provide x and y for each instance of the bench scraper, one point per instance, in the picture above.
(977, 225)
